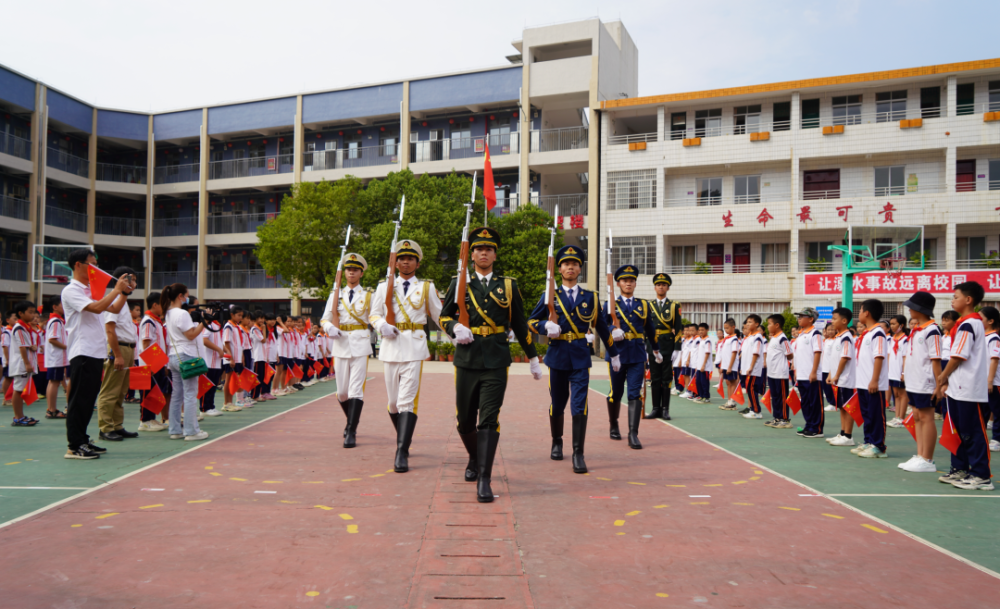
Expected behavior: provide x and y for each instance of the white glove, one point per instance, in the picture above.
(510, 335)
(617, 334)
(388, 331)
(463, 335)
(659, 358)
(536, 368)
(616, 363)
(552, 330)
(590, 338)
(333, 331)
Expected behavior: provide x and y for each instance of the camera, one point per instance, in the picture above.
(209, 312)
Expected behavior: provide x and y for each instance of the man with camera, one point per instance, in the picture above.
(122, 338)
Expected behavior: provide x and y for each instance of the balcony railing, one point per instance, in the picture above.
(173, 174)
(241, 280)
(977, 186)
(14, 208)
(245, 168)
(977, 263)
(569, 205)
(124, 174)
(162, 279)
(15, 146)
(868, 118)
(13, 270)
(350, 158)
(68, 163)
(121, 227)
(65, 219)
(886, 191)
(725, 199)
(967, 109)
(633, 138)
(568, 138)
(237, 223)
(720, 269)
(175, 227)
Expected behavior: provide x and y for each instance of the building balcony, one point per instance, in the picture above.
(848, 117)
(350, 158)
(120, 227)
(175, 227)
(67, 162)
(14, 208)
(551, 140)
(238, 223)
(751, 126)
(250, 167)
(161, 279)
(464, 148)
(15, 146)
(632, 138)
(62, 218)
(887, 191)
(13, 270)
(173, 174)
(241, 280)
(568, 205)
(122, 174)
(704, 268)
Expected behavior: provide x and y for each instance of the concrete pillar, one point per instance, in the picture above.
(595, 242)
(524, 131)
(952, 96)
(793, 243)
(950, 169)
(661, 124)
(404, 128)
(298, 146)
(203, 206)
(950, 245)
(36, 186)
(796, 115)
(92, 175)
(150, 171)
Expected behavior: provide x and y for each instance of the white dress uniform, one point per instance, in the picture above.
(352, 348)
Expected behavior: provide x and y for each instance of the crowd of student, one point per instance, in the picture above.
(89, 348)
(945, 372)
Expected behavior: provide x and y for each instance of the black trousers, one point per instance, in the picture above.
(85, 384)
(479, 392)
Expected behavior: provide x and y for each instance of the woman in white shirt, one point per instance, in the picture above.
(182, 334)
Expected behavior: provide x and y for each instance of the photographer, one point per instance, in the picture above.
(122, 338)
(182, 332)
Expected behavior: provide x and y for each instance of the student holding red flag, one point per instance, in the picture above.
(842, 376)
(23, 360)
(752, 352)
(779, 354)
(921, 369)
(965, 384)
(872, 380)
(86, 348)
(211, 338)
(808, 348)
(152, 332)
(55, 357)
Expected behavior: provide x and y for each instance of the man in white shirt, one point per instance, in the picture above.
(808, 349)
(872, 380)
(779, 353)
(87, 348)
(55, 357)
(752, 353)
(152, 332)
(122, 338)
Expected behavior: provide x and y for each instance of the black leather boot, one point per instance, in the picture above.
(395, 420)
(655, 398)
(404, 434)
(666, 406)
(579, 435)
(472, 469)
(556, 425)
(634, 416)
(344, 405)
(487, 441)
(353, 416)
(614, 409)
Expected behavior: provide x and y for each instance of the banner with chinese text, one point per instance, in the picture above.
(879, 283)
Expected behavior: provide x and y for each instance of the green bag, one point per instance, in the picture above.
(191, 368)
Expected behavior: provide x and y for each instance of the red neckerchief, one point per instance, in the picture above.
(919, 329)
(954, 329)
(857, 343)
(895, 343)
(26, 327)
(57, 316)
(163, 327)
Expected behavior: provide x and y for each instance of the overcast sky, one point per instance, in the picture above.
(141, 55)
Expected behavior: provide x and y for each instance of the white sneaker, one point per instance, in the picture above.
(201, 435)
(687, 395)
(753, 415)
(151, 426)
(972, 483)
(213, 413)
(201, 416)
(920, 465)
(860, 448)
(994, 446)
(895, 422)
(841, 440)
(830, 408)
(906, 464)
(230, 408)
(176, 436)
(674, 391)
(872, 452)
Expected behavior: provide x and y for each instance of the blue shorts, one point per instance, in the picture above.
(57, 373)
(227, 368)
(897, 384)
(920, 400)
(285, 361)
(731, 376)
(5, 375)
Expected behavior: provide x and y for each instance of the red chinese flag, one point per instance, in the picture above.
(140, 377)
(204, 385)
(949, 436)
(853, 408)
(836, 400)
(326, 362)
(154, 358)
(234, 383)
(296, 371)
(154, 400)
(766, 400)
(318, 367)
(248, 379)
(738, 395)
(489, 190)
(30, 393)
(911, 425)
(793, 402)
(10, 393)
(309, 324)
(682, 380)
(268, 373)
(99, 281)
(693, 385)
(710, 372)
(722, 392)
(41, 363)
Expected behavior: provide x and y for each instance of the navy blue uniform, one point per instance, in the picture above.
(637, 324)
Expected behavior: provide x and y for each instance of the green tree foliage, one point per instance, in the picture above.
(524, 244)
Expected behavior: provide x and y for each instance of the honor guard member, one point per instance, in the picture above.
(636, 327)
(404, 345)
(351, 343)
(482, 354)
(665, 317)
(568, 356)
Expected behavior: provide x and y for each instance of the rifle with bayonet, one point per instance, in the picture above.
(390, 313)
(335, 316)
(463, 273)
(550, 271)
(612, 304)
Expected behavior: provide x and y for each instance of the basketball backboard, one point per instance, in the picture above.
(50, 262)
(867, 248)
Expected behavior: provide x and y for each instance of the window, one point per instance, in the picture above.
(971, 248)
(258, 150)
(716, 256)
(819, 258)
(747, 119)
(387, 143)
(810, 113)
(286, 149)
(994, 96)
(965, 176)
(632, 189)
(678, 125)
(847, 110)
(748, 189)
(708, 123)
(782, 116)
(19, 192)
(965, 97)
(741, 257)
(930, 102)
(821, 184)
(640, 251)
(709, 191)
(890, 181)
(461, 135)
(995, 174)
(353, 147)
(500, 134)
(682, 258)
(773, 257)
(890, 106)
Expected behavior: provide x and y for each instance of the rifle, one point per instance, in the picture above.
(463, 274)
(390, 290)
(335, 317)
(612, 305)
(550, 288)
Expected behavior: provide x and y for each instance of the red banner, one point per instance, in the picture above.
(879, 283)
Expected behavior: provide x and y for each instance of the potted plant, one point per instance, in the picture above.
(432, 346)
(446, 352)
(516, 352)
(541, 348)
(702, 268)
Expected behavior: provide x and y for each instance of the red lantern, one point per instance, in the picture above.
(244, 252)
(515, 115)
(67, 138)
(451, 121)
(265, 141)
(492, 117)
(319, 136)
(381, 128)
(359, 131)
(423, 124)
(472, 119)
(340, 133)
(281, 139)
(230, 144)
(248, 142)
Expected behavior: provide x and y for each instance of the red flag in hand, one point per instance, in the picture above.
(204, 385)
(326, 362)
(949, 435)
(318, 367)
(722, 392)
(693, 385)
(154, 400)
(738, 396)
(234, 383)
(99, 281)
(489, 190)
(911, 425)
(793, 402)
(140, 377)
(682, 380)
(30, 393)
(296, 371)
(853, 408)
(766, 400)
(268, 373)
(10, 393)
(154, 358)
(248, 379)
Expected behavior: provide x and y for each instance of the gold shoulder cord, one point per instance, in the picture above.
(482, 313)
(566, 314)
(352, 311)
(656, 312)
(593, 315)
(510, 296)
(645, 310)
(623, 317)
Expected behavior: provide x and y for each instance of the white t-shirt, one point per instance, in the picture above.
(728, 346)
(945, 349)
(703, 347)
(828, 364)
(152, 330)
(844, 349)
(807, 345)
(778, 350)
(124, 326)
(898, 348)
(54, 356)
(85, 331)
(5, 342)
(212, 357)
(178, 321)
(22, 337)
(968, 383)
(874, 344)
(993, 348)
(256, 344)
(273, 347)
(752, 344)
(924, 346)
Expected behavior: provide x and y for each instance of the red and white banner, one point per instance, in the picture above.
(880, 283)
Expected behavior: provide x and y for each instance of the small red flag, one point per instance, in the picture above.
(41, 363)
(248, 379)
(836, 401)
(853, 408)
(722, 392)
(204, 385)
(234, 383)
(489, 190)
(911, 425)
(326, 362)
(154, 400)
(766, 400)
(154, 358)
(30, 393)
(318, 367)
(140, 377)
(10, 393)
(949, 435)
(793, 401)
(693, 385)
(710, 372)
(99, 281)
(296, 371)
(268, 373)
(682, 380)
(738, 395)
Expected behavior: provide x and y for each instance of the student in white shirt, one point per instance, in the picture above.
(898, 348)
(23, 359)
(828, 365)
(922, 368)
(272, 353)
(122, 338)
(232, 347)
(752, 353)
(779, 355)
(991, 319)
(675, 362)
(842, 375)
(211, 342)
(808, 348)
(257, 352)
(702, 360)
(728, 369)
(182, 334)
(151, 333)
(872, 380)
(690, 337)
(5, 343)
(55, 357)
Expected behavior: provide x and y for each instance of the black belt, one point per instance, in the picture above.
(130, 345)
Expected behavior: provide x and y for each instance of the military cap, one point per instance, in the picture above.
(569, 252)
(662, 278)
(626, 271)
(409, 247)
(355, 261)
(484, 236)
(807, 312)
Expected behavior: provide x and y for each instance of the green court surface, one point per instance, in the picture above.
(962, 522)
(33, 472)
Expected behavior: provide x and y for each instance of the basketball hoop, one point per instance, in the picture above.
(893, 266)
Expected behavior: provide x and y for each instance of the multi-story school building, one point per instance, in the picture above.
(178, 195)
(737, 193)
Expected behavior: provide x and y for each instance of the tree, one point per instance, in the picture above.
(524, 244)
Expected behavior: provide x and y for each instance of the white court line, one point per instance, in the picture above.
(944, 551)
(152, 465)
(52, 488)
(967, 496)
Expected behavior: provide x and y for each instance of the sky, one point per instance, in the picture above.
(155, 56)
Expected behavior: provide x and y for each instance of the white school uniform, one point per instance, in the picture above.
(806, 346)
(874, 345)
(924, 347)
(897, 354)
(844, 349)
(727, 347)
(212, 357)
(22, 336)
(968, 383)
(828, 364)
(778, 350)
(752, 345)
